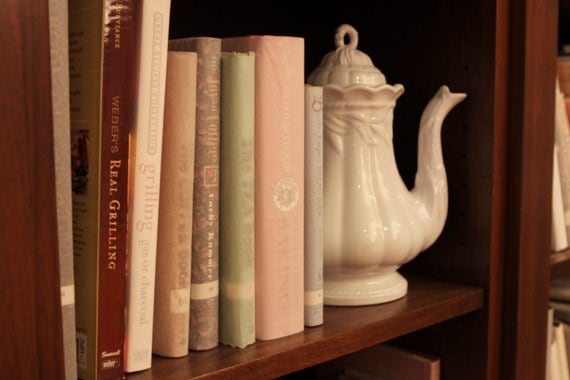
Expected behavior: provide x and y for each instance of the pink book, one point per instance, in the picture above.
(279, 181)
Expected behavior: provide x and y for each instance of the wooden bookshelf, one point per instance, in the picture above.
(345, 330)
(478, 296)
(560, 263)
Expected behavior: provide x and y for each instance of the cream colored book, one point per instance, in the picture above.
(313, 205)
(279, 181)
(59, 56)
(144, 180)
(559, 236)
(562, 143)
(173, 255)
(561, 350)
(237, 200)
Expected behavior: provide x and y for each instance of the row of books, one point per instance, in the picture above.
(558, 331)
(196, 188)
(560, 236)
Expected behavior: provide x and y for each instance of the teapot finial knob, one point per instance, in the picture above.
(341, 34)
(346, 66)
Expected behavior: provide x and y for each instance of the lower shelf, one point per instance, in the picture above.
(560, 263)
(345, 330)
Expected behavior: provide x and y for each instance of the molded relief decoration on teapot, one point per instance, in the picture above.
(372, 223)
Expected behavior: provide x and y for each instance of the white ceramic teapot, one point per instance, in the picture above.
(372, 223)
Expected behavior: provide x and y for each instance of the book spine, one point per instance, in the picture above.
(59, 63)
(559, 238)
(119, 31)
(144, 180)
(313, 205)
(561, 350)
(237, 202)
(174, 246)
(562, 141)
(85, 31)
(279, 182)
(204, 290)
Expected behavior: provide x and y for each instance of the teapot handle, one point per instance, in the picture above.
(341, 33)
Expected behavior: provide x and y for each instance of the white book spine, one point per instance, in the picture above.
(313, 205)
(144, 181)
(559, 237)
(561, 351)
(59, 56)
(562, 141)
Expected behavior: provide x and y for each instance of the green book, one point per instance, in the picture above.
(237, 264)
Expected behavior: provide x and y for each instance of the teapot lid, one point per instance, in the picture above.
(346, 66)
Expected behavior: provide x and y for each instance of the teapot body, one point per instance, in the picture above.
(372, 223)
(369, 213)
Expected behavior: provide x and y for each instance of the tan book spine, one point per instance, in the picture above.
(204, 290)
(174, 247)
(279, 181)
(84, 72)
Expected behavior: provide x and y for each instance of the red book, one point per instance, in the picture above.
(279, 181)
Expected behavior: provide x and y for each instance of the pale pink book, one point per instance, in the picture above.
(174, 241)
(279, 181)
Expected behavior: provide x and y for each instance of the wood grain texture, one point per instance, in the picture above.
(531, 109)
(345, 330)
(496, 143)
(29, 285)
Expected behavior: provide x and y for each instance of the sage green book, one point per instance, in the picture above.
(237, 207)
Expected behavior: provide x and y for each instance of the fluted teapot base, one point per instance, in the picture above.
(344, 288)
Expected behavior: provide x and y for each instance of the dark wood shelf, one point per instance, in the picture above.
(345, 330)
(560, 263)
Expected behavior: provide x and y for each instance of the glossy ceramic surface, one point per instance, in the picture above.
(372, 223)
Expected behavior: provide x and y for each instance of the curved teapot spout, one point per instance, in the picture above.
(430, 188)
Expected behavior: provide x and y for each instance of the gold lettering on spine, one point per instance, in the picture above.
(115, 127)
(114, 207)
(156, 64)
(117, 23)
(114, 167)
